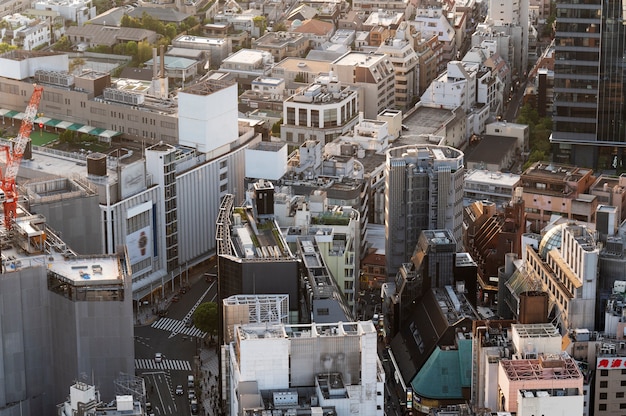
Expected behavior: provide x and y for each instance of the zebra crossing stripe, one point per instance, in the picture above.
(147, 364)
(178, 327)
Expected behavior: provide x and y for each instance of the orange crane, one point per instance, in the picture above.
(13, 159)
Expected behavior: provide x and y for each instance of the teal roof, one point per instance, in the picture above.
(445, 373)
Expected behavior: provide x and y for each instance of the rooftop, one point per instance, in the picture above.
(302, 64)
(546, 367)
(493, 178)
(88, 271)
(363, 59)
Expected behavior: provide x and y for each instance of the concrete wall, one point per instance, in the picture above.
(26, 376)
(76, 220)
(92, 339)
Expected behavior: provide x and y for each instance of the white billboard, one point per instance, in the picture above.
(139, 245)
(133, 179)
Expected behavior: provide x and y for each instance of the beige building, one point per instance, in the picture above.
(71, 99)
(282, 44)
(299, 72)
(551, 188)
(323, 111)
(373, 74)
(405, 63)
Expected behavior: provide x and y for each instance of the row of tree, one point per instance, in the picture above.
(540, 129)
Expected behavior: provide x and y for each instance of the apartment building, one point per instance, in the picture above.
(248, 64)
(79, 11)
(373, 74)
(323, 111)
(552, 188)
(406, 64)
(512, 18)
(485, 185)
(432, 21)
(282, 44)
(26, 33)
(336, 231)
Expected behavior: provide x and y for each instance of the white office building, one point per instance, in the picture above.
(315, 368)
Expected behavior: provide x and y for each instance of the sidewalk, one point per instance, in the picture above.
(209, 369)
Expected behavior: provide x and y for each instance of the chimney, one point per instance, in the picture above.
(162, 61)
(154, 64)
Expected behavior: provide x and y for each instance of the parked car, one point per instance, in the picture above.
(191, 394)
(158, 357)
(179, 390)
(194, 407)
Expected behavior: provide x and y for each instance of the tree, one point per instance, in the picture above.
(64, 44)
(205, 318)
(261, 23)
(76, 63)
(171, 30)
(280, 27)
(276, 128)
(144, 51)
(130, 48)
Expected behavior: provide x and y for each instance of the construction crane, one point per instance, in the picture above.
(14, 158)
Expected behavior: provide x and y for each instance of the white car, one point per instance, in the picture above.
(158, 357)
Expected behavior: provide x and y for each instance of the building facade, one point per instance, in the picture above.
(589, 104)
(322, 112)
(424, 191)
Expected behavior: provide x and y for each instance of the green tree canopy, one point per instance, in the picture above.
(144, 51)
(63, 44)
(205, 318)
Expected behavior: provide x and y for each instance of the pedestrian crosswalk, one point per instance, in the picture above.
(178, 327)
(148, 364)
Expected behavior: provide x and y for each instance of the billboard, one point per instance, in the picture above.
(139, 245)
(132, 179)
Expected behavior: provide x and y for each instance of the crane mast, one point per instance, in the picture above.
(14, 158)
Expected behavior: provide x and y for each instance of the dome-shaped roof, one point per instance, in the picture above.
(551, 239)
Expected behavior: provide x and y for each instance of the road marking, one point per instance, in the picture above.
(176, 327)
(149, 364)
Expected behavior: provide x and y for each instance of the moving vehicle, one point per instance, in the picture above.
(179, 390)
(158, 357)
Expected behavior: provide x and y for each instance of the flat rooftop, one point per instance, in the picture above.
(426, 120)
(88, 271)
(355, 58)
(304, 65)
(492, 178)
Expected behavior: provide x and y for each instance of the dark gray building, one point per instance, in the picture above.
(589, 83)
(424, 191)
(64, 318)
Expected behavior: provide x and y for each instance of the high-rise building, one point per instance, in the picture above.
(65, 318)
(424, 191)
(589, 111)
